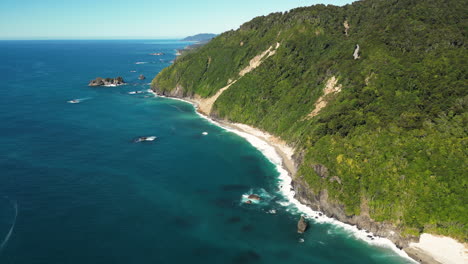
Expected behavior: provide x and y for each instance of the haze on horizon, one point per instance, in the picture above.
(114, 19)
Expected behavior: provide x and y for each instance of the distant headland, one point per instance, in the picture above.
(203, 37)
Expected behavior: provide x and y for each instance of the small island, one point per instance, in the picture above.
(107, 81)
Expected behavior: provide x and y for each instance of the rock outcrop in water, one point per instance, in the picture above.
(141, 77)
(302, 225)
(107, 81)
(254, 197)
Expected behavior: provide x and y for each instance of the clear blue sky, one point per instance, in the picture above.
(101, 19)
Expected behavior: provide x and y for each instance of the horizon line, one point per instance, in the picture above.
(91, 38)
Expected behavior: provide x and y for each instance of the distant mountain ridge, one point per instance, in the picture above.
(200, 37)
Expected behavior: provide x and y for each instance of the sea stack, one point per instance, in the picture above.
(141, 77)
(107, 81)
(302, 225)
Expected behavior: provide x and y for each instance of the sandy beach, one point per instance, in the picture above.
(441, 249)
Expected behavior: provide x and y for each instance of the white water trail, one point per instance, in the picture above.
(8, 235)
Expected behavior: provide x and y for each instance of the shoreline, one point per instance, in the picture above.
(280, 154)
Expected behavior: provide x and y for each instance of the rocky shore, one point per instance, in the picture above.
(320, 202)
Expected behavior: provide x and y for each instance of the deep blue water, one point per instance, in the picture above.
(86, 193)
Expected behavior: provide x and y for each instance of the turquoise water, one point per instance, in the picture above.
(85, 192)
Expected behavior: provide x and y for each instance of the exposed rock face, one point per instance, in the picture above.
(346, 26)
(331, 87)
(107, 81)
(320, 202)
(141, 77)
(321, 170)
(301, 225)
(254, 197)
(356, 52)
(335, 179)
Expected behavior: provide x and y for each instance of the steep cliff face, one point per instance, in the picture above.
(320, 202)
(372, 96)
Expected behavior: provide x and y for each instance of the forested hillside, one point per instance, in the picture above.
(375, 91)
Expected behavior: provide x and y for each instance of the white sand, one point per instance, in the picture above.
(443, 249)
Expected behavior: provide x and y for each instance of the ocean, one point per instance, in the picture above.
(75, 187)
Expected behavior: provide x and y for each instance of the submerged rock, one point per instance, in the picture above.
(107, 81)
(302, 225)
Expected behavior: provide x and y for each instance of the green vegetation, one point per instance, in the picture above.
(396, 135)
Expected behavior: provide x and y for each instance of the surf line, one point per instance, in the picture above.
(8, 235)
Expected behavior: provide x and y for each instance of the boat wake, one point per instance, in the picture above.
(136, 92)
(142, 139)
(78, 100)
(8, 235)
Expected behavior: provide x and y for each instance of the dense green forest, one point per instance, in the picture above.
(396, 135)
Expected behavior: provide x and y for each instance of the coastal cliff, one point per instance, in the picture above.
(372, 96)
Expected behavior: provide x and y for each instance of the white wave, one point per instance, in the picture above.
(265, 197)
(292, 203)
(113, 85)
(141, 62)
(135, 92)
(8, 235)
(205, 133)
(78, 100)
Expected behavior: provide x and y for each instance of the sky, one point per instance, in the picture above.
(127, 19)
